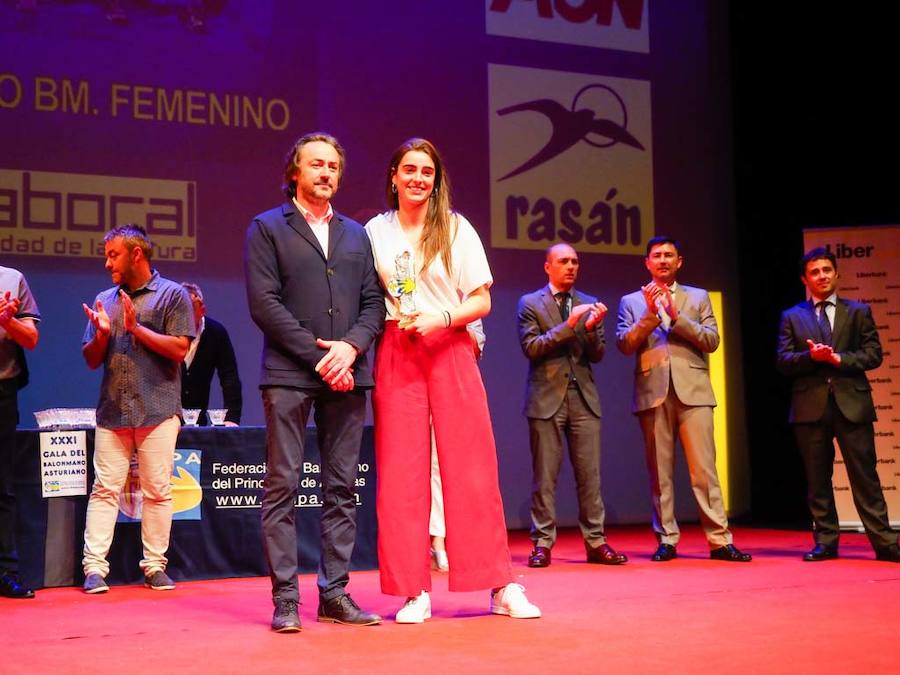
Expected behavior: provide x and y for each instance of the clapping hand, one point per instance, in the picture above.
(98, 317)
(667, 302)
(822, 352)
(598, 311)
(129, 316)
(9, 307)
(660, 297)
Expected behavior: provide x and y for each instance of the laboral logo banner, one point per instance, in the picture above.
(50, 213)
(610, 24)
(187, 492)
(571, 160)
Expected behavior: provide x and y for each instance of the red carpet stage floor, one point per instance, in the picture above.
(692, 615)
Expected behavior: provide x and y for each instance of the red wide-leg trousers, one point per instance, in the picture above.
(417, 377)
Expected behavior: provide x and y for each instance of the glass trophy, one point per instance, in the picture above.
(402, 285)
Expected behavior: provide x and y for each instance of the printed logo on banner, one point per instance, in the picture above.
(67, 214)
(187, 493)
(63, 463)
(610, 24)
(571, 160)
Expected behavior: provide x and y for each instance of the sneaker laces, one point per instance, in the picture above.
(284, 607)
(414, 600)
(514, 591)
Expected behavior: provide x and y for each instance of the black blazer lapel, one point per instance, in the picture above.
(298, 223)
(841, 320)
(575, 347)
(550, 306)
(335, 232)
(810, 323)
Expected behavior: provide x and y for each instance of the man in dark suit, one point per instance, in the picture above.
(313, 291)
(826, 345)
(670, 328)
(561, 333)
(210, 352)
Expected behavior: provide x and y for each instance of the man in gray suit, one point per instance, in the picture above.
(671, 329)
(561, 333)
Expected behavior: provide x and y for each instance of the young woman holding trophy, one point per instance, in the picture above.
(433, 267)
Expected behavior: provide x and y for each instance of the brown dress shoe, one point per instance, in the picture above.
(344, 610)
(286, 619)
(540, 557)
(604, 555)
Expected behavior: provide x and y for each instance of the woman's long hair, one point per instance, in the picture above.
(437, 235)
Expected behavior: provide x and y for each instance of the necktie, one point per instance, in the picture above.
(563, 300)
(824, 325)
(663, 316)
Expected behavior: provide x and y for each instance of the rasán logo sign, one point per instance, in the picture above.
(571, 160)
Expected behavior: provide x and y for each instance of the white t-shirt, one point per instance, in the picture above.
(431, 291)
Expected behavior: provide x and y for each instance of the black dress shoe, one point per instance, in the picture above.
(604, 555)
(889, 554)
(10, 587)
(663, 553)
(344, 610)
(730, 553)
(286, 619)
(540, 557)
(821, 552)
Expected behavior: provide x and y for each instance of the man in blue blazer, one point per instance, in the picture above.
(671, 329)
(313, 291)
(826, 345)
(561, 334)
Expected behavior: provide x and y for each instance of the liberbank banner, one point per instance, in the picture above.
(868, 261)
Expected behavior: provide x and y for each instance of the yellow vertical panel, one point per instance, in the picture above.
(720, 412)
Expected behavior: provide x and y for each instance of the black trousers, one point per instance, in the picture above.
(857, 443)
(9, 417)
(339, 420)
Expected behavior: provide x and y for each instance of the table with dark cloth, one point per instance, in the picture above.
(226, 539)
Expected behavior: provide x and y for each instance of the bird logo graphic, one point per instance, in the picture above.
(598, 117)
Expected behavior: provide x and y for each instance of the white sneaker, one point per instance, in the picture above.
(439, 561)
(511, 601)
(416, 609)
